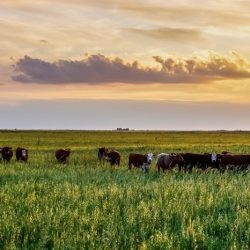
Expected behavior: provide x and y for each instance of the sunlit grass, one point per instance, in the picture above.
(87, 205)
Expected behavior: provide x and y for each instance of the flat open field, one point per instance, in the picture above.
(86, 205)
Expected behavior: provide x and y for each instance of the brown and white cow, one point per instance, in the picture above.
(168, 161)
(22, 154)
(62, 155)
(142, 161)
(7, 154)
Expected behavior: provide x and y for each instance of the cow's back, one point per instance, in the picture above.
(137, 159)
(62, 154)
(163, 160)
(114, 157)
(235, 160)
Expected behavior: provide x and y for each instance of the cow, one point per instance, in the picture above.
(22, 154)
(234, 162)
(1, 154)
(142, 161)
(113, 157)
(62, 155)
(7, 154)
(102, 153)
(202, 161)
(168, 161)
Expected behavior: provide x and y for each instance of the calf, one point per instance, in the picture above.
(62, 155)
(168, 161)
(22, 154)
(7, 154)
(140, 161)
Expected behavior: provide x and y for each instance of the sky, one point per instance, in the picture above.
(103, 64)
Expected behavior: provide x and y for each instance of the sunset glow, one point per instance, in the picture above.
(123, 51)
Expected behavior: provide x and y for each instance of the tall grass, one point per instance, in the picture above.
(87, 205)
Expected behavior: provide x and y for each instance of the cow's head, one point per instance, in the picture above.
(102, 152)
(180, 159)
(149, 157)
(24, 152)
(214, 157)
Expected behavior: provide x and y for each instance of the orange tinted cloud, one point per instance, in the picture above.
(99, 69)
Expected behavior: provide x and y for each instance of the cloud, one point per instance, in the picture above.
(28, 7)
(97, 69)
(212, 13)
(172, 34)
(225, 13)
(43, 41)
(190, 13)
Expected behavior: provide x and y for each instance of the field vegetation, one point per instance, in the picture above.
(87, 205)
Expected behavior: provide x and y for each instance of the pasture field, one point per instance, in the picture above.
(87, 205)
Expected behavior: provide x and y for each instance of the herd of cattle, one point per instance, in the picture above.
(185, 161)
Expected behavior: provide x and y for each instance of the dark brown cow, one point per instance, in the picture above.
(168, 161)
(202, 161)
(234, 162)
(1, 154)
(140, 161)
(22, 154)
(7, 154)
(113, 157)
(62, 155)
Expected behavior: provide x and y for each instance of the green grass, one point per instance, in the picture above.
(86, 205)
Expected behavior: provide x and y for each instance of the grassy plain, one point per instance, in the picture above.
(86, 205)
